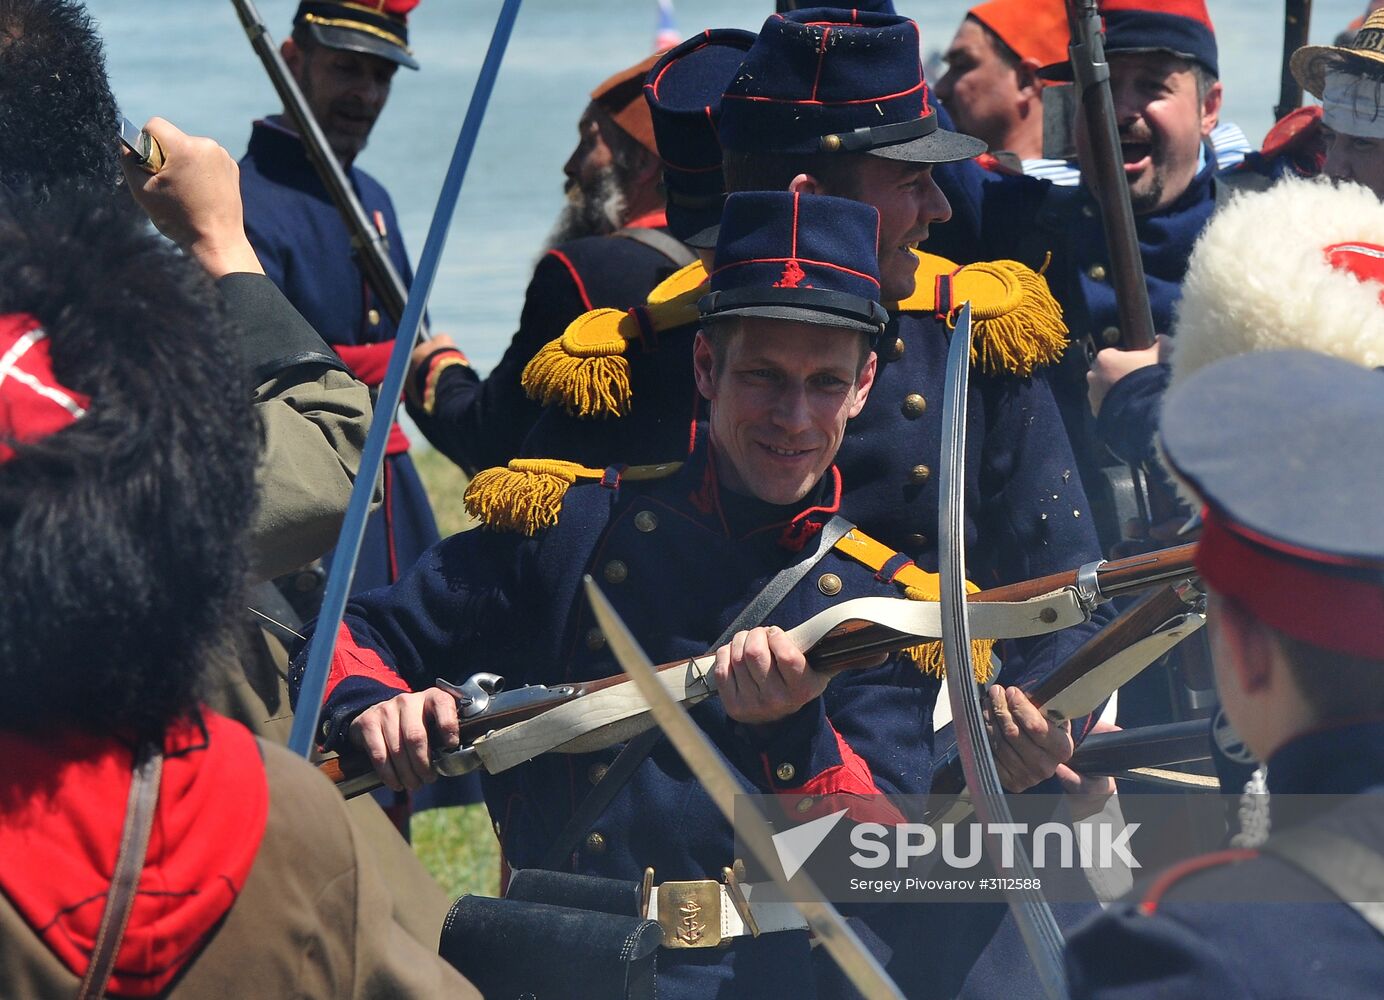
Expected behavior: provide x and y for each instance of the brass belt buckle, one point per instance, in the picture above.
(690, 913)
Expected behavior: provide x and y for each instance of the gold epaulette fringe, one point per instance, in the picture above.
(1017, 324)
(586, 370)
(918, 585)
(526, 496)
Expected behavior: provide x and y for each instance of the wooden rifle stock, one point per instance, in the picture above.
(371, 246)
(1137, 622)
(850, 644)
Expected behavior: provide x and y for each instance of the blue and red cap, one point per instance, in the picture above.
(804, 257)
(878, 6)
(373, 27)
(1182, 27)
(684, 91)
(826, 80)
(1283, 446)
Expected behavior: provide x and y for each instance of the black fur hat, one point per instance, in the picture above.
(121, 535)
(57, 115)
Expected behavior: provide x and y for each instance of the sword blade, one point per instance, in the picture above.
(861, 967)
(1034, 917)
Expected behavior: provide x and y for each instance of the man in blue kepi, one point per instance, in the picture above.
(1280, 446)
(784, 359)
(343, 56)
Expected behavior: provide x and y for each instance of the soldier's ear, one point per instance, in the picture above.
(293, 55)
(704, 366)
(864, 382)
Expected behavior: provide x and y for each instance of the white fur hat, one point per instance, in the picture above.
(1261, 277)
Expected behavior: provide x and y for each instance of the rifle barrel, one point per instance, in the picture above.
(1092, 78)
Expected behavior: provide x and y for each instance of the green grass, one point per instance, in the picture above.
(457, 845)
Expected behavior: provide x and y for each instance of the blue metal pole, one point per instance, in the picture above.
(347, 552)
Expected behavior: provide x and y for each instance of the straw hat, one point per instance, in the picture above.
(1363, 55)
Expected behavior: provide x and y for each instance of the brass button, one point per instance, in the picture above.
(914, 405)
(1110, 335)
(595, 638)
(1096, 272)
(829, 584)
(1089, 211)
(786, 772)
(804, 805)
(897, 350)
(373, 316)
(595, 843)
(919, 474)
(831, 143)
(916, 541)
(615, 571)
(596, 772)
(646, 521)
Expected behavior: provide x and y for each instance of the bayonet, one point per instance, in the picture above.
(753, 829)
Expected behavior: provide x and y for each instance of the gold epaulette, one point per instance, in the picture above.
(586, 371)
(526, 496)
(917, 585)
(1017, 324)
(680, 282)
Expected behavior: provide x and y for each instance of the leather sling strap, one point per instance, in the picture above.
(637, 750)
(1351, 870)
(129, 863)
(657, 240)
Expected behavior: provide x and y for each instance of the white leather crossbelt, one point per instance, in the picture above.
(618, 712)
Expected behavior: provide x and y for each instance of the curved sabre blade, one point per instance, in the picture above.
(1031, 912)
(861, 967)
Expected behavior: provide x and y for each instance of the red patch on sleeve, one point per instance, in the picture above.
(351, 660)
(848, 785)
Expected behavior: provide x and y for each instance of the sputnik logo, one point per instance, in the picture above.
(795, 846)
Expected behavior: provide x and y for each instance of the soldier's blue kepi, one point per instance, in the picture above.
(878, 6)
(374, 27)
(804, 257)
(1182, 27)
(1283, 447)
(684, 93)
(825, 80)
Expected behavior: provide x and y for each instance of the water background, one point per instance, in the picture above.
(189, 61)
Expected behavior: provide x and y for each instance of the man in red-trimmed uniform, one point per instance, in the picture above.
(1281, 447)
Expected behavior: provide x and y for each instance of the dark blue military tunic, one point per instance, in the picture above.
(1026, 512)
(1181, 939)
(1024, 219)
(480, 423)
(304, 245)
(679, 558)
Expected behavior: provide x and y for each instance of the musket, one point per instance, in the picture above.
(1101, 665)
(830, 929)
(1091, 76)
(484, 706)
(1160, 746)
(371, 246)
(314, 684)
(1297, 20)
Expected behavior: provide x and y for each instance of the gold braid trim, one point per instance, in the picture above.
(918, 585)
(526, 496)
(1017, 323)
(586, 370)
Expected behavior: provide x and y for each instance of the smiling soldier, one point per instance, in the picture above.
(784, 360)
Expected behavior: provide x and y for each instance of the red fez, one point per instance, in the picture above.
(622, 97)
(1033, 29)
(33, 404)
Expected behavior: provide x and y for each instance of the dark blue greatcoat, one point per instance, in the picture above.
(480, 423)
(1026, 512)
(304, 246)
(487, 600)
(1024, 219)
(1181, 938)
